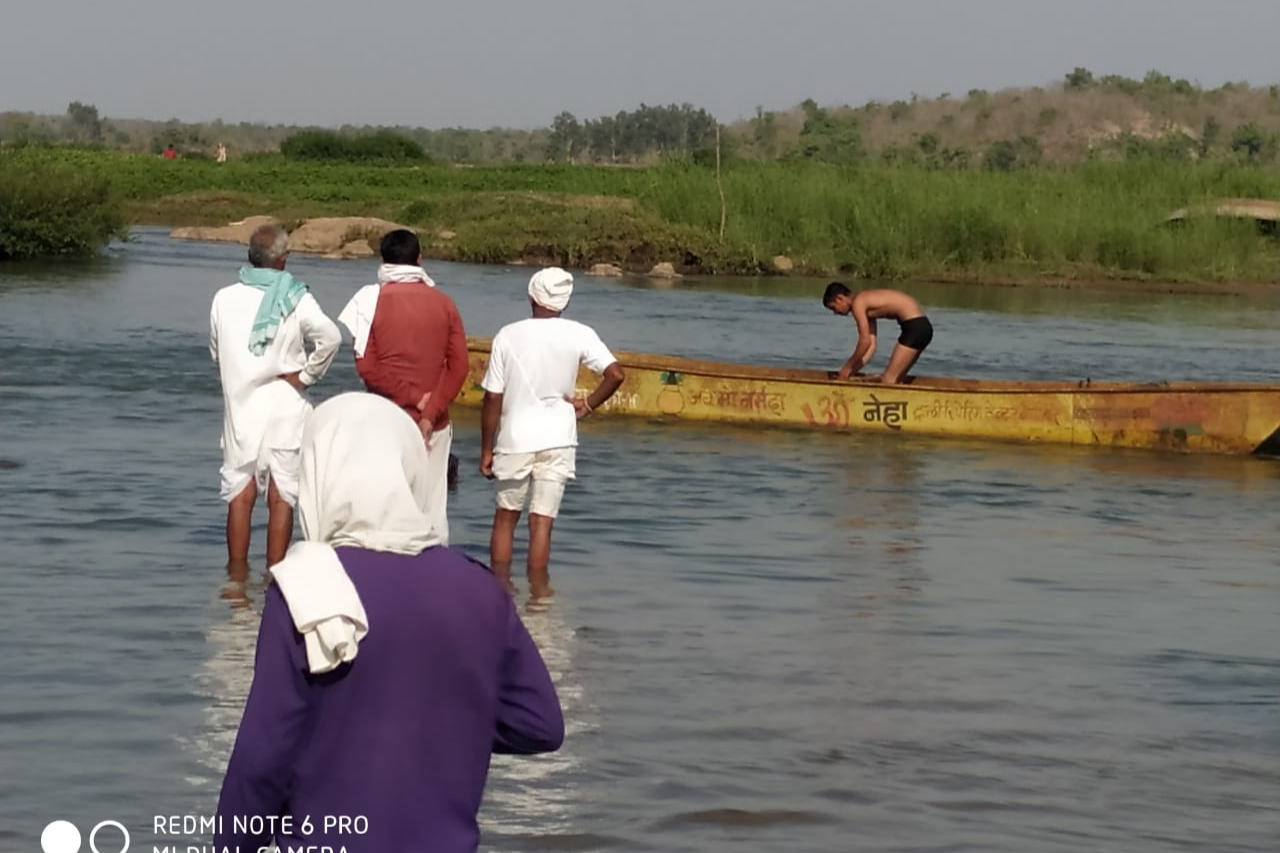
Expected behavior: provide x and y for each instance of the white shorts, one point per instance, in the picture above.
(282, 466)
(547, 471)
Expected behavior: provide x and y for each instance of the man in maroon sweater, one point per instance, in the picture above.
(410, 347)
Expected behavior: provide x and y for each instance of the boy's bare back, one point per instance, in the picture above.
(886, 304)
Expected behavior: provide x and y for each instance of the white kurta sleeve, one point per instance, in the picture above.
(213, 332)
(323, 334)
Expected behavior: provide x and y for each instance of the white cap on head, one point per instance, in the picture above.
(551, 288)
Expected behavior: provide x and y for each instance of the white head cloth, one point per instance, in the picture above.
(357, 316)
(361, 484)
(551, 288)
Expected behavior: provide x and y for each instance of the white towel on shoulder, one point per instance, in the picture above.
(361, 484)
(357, 316)
(323, 602)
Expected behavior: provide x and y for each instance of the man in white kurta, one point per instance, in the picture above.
(264, 367)
(529, 419)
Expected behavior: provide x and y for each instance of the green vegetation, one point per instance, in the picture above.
(1101, 220)
(1080, 117)
(50, 209)
(384, 146)
(1097, 221)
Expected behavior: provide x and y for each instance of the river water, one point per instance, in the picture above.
(763, 640)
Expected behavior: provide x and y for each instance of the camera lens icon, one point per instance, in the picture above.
(62, 836)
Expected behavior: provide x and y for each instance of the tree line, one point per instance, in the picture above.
(1155, 117)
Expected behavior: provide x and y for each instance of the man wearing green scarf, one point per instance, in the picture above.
(258, 331)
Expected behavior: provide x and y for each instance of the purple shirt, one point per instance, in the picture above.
(402, 735)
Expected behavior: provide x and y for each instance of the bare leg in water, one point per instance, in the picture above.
(237, 581)
(540, 555)
(239, 520)
(501, 543)
(279, 524)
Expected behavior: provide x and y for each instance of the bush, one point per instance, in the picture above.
(325, 145)
(1079, 78)
(1006, 155)
(1255, 143)
(51, 209)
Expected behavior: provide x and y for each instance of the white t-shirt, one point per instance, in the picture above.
(533, 364)
(260, 408)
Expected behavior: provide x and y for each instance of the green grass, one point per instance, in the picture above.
(1096, 221)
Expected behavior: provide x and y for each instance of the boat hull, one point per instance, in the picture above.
(1183, 417)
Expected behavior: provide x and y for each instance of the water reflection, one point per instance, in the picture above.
(883, 505)
(223, 681)
(69, 275)
(542, 795)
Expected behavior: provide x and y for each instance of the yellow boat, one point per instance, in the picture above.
(1191, 417)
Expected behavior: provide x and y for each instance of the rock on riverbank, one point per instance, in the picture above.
(331, 237)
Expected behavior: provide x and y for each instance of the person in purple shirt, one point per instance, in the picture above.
(388, 669)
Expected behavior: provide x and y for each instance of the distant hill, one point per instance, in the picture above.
(1067, 121)
(1083, 116)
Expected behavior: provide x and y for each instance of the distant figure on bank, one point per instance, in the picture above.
(170, 153)
(257, 330)
(409, 670)
(221, 155)
(410, 347)
(529, 419)
(867, 306)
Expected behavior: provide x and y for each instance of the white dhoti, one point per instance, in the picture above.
(274, 458)
(437, 479)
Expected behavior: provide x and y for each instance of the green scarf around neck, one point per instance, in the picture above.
(281, 294)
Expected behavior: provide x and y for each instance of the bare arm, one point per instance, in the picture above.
(865, 349)
(490, 416)
(610, 382)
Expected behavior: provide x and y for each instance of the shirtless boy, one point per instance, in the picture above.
(867, 306)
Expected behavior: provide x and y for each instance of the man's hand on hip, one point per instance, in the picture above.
(581, 408)
(294, 379)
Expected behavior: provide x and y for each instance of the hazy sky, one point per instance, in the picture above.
(480, 63)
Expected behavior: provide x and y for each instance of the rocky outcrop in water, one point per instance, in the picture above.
(235, 232)
(331, 237)
(664, 270)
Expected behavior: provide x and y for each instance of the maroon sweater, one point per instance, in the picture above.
(417, 344)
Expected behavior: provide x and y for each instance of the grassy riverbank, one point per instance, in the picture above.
(1095, 222)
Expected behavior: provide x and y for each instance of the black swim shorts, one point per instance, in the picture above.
(916, 333)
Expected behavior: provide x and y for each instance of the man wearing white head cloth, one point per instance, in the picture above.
(389, 667)
(529, 421)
